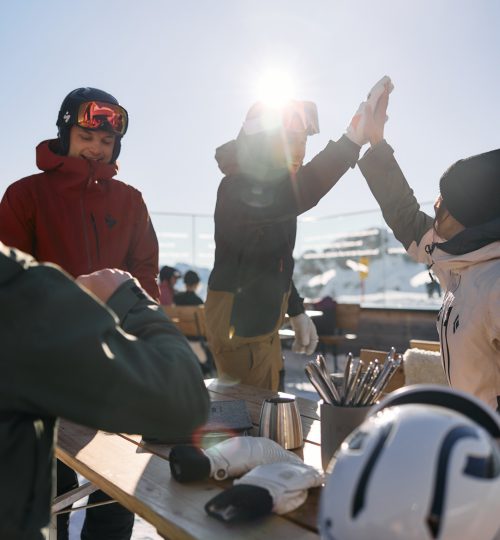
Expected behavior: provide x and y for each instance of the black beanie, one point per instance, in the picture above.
(470, 189)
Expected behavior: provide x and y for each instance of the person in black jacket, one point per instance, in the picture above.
(79, 355)
(189, 296)
(264, 189)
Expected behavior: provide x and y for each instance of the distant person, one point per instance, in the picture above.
(168, 279)
(77, 215)
(189, 296)
(64, 354)
(198, 343)
(462, 246)
(325, 324)
(264, 189)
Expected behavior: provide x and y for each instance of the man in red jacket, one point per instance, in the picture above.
(75, 214)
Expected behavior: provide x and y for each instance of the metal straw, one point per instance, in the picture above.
(360, 387)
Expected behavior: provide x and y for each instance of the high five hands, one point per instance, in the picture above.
(370, 118)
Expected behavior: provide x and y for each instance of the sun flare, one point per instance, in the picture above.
(275, 87)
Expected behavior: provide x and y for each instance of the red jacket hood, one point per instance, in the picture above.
(77, 168)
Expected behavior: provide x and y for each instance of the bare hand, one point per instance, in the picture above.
(375, 120)
(103, 283)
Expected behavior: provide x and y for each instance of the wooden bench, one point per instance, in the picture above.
(396, 381)
(347, 318)
(190, 320)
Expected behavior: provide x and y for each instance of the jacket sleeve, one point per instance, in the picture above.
(66, 354)
(17, 227)
(295, 302)
(143, 252)
(399, 206)
(315, 179)
(254, 201)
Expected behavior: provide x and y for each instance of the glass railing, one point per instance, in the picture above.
(353, 258)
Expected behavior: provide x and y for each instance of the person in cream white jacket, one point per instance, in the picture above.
(461, 244)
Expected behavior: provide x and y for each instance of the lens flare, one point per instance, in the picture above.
(275, 87)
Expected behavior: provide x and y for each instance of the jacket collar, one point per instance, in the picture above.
(47, 160)
(472, 248)
(472, 238)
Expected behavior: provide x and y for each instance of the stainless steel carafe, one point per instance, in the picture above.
(280, 421)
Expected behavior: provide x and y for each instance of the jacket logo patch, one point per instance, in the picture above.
(110, 221)
(456, 324)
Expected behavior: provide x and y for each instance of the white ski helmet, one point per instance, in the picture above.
(424, 465)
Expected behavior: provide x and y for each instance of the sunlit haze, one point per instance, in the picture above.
(275, 87)
(187, 72)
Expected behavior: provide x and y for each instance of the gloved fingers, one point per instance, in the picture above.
(287, 483)
(238, 455)
(298, 347)
(380, 108)
(189, 463)
(241, 502)
(300, 325)
(290, 501)
(311, 347)
(355, 130)
(381, 86)
(306, 336)
(312, 338)
(357, 116)
(281, 478)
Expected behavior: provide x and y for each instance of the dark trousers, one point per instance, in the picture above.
(109, 522)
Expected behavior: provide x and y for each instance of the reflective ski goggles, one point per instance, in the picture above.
(101, 115)
(296, 116)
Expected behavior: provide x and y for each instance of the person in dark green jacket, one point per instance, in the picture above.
(71, 354)
(264, 189)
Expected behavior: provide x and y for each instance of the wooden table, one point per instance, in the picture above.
(138, 476)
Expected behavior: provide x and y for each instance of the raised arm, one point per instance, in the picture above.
(67, 354)
(287, 195)
(386, 181)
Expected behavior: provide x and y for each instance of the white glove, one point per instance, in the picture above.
(238, 455)
(287, 483)
(229, 458)
(356, 129)
(306, 336)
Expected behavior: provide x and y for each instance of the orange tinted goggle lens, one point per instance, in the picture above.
(97, 114)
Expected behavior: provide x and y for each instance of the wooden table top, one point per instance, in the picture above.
(137, 475)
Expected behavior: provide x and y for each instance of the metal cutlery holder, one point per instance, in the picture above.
(337, 422)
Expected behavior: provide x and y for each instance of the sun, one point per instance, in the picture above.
(275, 87)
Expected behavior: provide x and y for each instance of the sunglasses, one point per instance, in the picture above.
(101, 115)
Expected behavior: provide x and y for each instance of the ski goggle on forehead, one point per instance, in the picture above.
(295, 116)
(101, 115)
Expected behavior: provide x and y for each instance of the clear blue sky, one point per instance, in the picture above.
(186, 71)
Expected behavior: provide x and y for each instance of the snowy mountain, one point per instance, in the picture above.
(368, 267)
